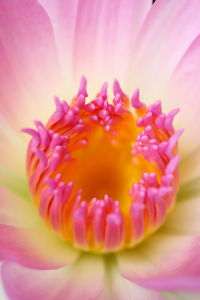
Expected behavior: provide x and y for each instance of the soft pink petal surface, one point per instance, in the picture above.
(34, 248)
(164, 262)
(29, 66)
(25, 239)
(12, 163)
(167, 32)
(16, 210)
(82, 280)
(98, 36)
(184, 90)
(62, 15)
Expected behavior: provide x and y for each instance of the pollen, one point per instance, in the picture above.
(104, 173)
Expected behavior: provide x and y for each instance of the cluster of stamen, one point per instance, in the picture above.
(104, 175)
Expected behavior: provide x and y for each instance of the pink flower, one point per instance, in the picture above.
(109, 207)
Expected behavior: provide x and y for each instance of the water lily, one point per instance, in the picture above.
(100, 200)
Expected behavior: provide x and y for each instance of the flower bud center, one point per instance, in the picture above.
(104, 175)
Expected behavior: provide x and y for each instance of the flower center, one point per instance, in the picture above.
(104, 176)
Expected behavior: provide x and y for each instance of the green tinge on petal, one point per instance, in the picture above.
(119, 288)
(180, 295)
(189, 169)
(14, 183)
(189, 190)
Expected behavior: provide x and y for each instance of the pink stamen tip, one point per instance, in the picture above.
(145, 121)
(59, 106)
(65, 106)
(103, 92)
(172, 142)
(169, 119)
(44, 136)
(160, 121)
(172, 165)
(38, 123)
(33, 133)
(83, 87)
(135, 100)
(156, 108)
(117, 99)
(117, 89)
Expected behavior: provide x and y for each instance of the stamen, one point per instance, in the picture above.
(103, 177)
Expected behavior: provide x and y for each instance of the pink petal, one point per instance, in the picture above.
(16, 210)
(184, 90)
(12, 163)
(29, 69)
(168, 30)
(24, 238)
(34, 247)
(62, 15)
(83, 280)
(164, 262)
(99, 34)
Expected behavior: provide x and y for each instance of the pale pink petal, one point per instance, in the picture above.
(10, 94)
(29, 69)
(118, 288)
(167, 32)
(164, 262)
(29, 241)
(17, 210)
(82, 280)
(184, 90)
(98, 36)
(12, 154)
(63, 19)
(34, 247)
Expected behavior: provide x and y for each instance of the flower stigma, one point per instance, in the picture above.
(103, 175)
